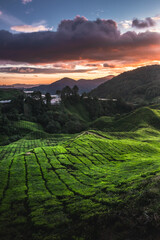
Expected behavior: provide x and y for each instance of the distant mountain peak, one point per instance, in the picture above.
(84, 85)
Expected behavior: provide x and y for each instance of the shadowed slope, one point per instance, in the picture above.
(142, 117)
(141, 84)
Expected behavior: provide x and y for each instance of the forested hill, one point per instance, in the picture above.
(139, 85)
(9, 93)
(83, 85)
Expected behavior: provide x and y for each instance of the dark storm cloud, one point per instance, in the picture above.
(148, 22)
(77, 39)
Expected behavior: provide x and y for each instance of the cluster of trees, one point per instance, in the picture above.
(53, 118)
(11, 112)
(68, 92)
(95, 107)
(57, 118)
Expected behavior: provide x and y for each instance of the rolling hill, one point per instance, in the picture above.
(90, 186)
(83, 85)
(139, 85)
(140, 118)
(93, 186)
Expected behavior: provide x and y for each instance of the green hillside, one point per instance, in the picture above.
(142, 117)
(94, 186)
(141, 85)
(25, 129)
(79, 110)
(27, 126)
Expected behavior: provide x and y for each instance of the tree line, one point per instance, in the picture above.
(57, 118)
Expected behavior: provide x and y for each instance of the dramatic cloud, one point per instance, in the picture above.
(148, 22)
(80, 39)
(64, 65)
(35, 27)
(25, 70)
(156, 18)
(26, 1)
(106, 65)
(93, 65)
(126, 24)
(29, 28)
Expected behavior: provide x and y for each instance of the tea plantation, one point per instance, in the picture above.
(96, 185)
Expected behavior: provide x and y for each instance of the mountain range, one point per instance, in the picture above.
(139, 85)
(84, 85)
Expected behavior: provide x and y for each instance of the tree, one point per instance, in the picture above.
(66, 92)
(75, 90)
(84, 95)
(37, 95)
(73, 126)
(58, 92)
(53, 127)
(48, 99)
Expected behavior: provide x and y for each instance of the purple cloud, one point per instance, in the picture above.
(79, 39)
(148, 22)
(28, 70)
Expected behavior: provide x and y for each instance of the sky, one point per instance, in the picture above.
(42, 41)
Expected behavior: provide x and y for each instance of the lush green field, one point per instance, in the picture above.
(26, 125)
(30, 135)
(24, 145)
(95, 185)
(79, 110)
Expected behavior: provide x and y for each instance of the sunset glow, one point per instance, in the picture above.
(76, 47)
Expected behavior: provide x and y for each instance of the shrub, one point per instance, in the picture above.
(53, 127)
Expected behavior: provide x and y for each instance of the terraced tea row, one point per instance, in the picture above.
(51, 192)
(23, 145)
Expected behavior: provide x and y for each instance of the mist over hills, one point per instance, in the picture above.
(83, 84)
(139, 85)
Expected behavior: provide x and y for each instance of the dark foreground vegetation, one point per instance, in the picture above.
(60, 180)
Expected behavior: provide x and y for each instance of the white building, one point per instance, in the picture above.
(5, 101)
(55, 99)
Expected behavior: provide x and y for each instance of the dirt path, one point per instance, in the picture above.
(85, 133)
(96, 134)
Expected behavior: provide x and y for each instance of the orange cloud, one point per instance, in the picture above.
(29, 28)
